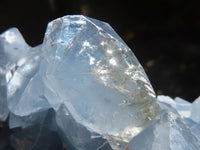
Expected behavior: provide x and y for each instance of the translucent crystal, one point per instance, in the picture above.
(180, 105)
(76, 134)
(183, 107)
(167, 100)
(19, 66)
(195, 112)
(168, 133)
(173, 134)
(96, 76)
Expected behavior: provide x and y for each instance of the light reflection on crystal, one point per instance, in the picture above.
(97, 66)
(113, 62)
(109, 51)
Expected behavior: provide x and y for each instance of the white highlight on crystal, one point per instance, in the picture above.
(113, 62)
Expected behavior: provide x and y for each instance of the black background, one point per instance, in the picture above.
(163, 34)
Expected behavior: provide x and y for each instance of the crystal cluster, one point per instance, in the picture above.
(84, 89)
(177, 128)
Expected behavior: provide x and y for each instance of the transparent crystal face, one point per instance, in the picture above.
(97, 77)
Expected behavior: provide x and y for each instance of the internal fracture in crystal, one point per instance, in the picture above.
(97, 77)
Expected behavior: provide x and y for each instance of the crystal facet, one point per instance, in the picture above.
(169, 133)
(20, 65)
(195, 111)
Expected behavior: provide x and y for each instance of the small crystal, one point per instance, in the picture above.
(183, 107)
(19, 65)
(180, 105)
(195, 112)
(168, 133)
(167, 100)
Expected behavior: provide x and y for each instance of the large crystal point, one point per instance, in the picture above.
(90, 70)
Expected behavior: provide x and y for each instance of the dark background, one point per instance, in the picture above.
(164, 34)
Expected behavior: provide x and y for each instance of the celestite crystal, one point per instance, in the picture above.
(83, 85)
(170, 132)
(20, 64)
(92, 72)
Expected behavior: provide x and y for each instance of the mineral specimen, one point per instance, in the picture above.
(169, 133)
(20, 64)
(85, 85)
(92, 72)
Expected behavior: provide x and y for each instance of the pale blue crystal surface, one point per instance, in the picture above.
(168, 133)
(96, 76)
(20, 65)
